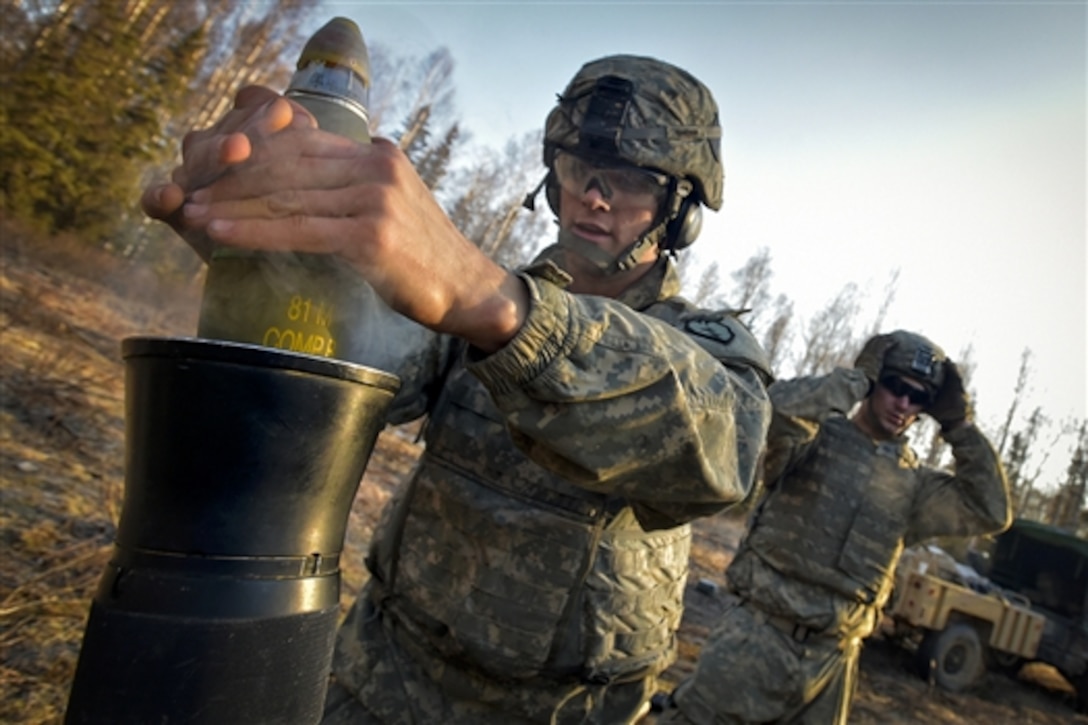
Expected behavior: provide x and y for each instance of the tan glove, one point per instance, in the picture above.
(871, 358)
(952, 405)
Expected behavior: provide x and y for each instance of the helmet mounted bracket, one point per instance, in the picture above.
(603, 124)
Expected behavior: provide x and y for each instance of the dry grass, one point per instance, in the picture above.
(61, 430)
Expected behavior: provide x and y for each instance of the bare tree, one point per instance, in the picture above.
(485, 200)
(890, 290)
(828, 339)
(777, 336)
(708, 290)
(748, 293)
(701, 283)
(1018, 393)
(1022, 480)
(751, 284)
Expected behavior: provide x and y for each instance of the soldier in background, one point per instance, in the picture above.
(844, 494)
(580, 413)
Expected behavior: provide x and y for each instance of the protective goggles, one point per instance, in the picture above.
(899, 387)
(619, 185)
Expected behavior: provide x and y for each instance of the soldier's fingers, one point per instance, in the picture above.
(250, 96)
(161, 201)
(297, 159)
(208, 153)
(234, 149)
(341, 202)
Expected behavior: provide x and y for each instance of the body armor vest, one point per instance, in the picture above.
(504, 567)
(837, 517)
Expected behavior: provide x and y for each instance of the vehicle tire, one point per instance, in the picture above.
(1005, 662)
(952, 657)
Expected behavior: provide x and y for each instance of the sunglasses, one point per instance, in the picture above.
(619, 185)
(899, 387)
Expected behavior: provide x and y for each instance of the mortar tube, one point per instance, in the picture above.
(221, 599)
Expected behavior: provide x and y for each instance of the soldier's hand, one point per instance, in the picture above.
(952, 404)
(871, 358)
(210, 152)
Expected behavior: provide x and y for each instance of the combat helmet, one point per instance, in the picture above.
(641, 111)
(917, 357)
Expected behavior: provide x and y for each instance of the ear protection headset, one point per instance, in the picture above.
(684, 225)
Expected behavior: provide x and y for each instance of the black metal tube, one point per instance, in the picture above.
(220, 602)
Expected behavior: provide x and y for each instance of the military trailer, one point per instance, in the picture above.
(957, 624)
(1032, 606)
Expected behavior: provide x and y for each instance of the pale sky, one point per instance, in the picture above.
(945, 139)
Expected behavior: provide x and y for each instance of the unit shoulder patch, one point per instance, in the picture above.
(713, 328)
(725, 337)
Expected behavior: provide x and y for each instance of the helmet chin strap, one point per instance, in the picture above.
(607, 264)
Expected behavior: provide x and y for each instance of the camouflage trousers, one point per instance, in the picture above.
(750, 671)
(381, 676)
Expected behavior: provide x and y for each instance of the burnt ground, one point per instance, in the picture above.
(61, 486)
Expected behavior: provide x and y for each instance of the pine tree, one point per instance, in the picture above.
(434, 164)
(1069, 502)
(82, 115)
(97, 93)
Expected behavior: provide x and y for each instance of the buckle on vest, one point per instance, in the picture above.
(800, 633)
(797, 632)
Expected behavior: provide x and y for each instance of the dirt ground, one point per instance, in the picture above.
(61, 486)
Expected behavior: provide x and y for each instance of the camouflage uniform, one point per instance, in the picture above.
(812, 574)
(532, 568)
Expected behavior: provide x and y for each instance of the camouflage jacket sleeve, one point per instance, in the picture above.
(972, 500)
(621, 403)
(800, 406)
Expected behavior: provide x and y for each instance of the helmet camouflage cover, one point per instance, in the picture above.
(916, 357)
(644, 112)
